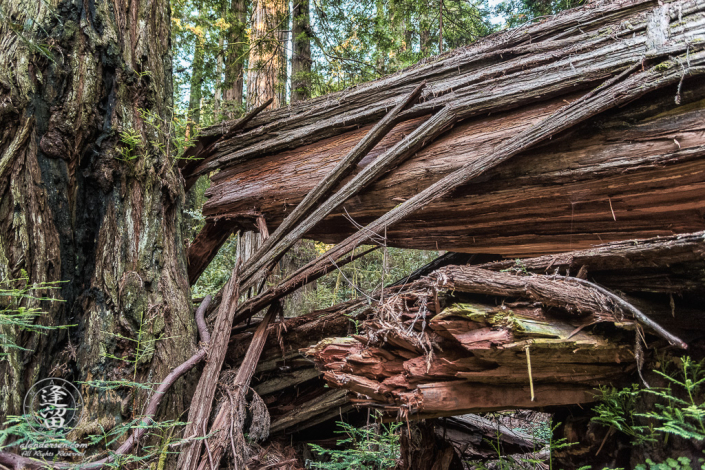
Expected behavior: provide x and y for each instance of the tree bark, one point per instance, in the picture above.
(220, 63)
(235, 57)
(78, 205)
(264, 75)
(196, 91)
(422, 449)
(301, 60)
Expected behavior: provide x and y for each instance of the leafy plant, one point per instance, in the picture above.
(679, 410)
(15, 314)
(18, 431)
(677, 416)
(681, 463)
(366, 448)
(682, 417)
(617, 409)
(131, 140)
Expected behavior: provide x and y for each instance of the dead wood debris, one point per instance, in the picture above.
(423, 357)
(469, 351)
(605, 63)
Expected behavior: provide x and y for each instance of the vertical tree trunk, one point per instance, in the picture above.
(301, 59)
(81, 206)
(264, 75)
(284, 37)
(440, 26)
(218, 96)
(425, 32)
(235, 57)
(195, 93)
(379, 35)
(421, 449)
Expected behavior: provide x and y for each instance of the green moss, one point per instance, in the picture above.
(664, 66)
(465, 310)
(507, 319)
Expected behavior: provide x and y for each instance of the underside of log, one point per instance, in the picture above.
(499, 336)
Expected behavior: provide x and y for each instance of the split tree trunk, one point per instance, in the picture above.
(73, 208)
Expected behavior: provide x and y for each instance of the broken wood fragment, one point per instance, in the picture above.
(228, 423)
(202, 402)
(262, 259)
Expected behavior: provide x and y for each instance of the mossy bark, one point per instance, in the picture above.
(74, 75)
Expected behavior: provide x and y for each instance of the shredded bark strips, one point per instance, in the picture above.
(417, 357)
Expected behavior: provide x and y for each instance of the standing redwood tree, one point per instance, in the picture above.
(235, 55)
(266, 74)
(301, 58)
(91, 196)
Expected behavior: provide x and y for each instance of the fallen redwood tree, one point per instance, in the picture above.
(632, 172)
(477, 342)
(622, 80)
(299, 404)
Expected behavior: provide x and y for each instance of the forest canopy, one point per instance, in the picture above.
(326, 45)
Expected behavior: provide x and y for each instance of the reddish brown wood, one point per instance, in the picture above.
(231, 416)
(206, 246)
(555, 198)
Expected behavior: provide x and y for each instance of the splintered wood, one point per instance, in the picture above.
(471, 356)
(634, 171)
(499, 336)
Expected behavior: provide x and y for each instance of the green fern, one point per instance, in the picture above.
(365, 449)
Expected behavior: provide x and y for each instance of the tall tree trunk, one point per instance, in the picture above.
(284, 37)
(380, 25)
(301, 59)
(264, 75)
(425, 32)
(235, 57)
(440, 26)
(195, 93)
(89, 197)
(220, 62)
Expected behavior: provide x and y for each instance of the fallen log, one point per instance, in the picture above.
(453, 341)
(603, 180)
(537, 49)
(314, 197)
(473, 436)
(464, 357)
(289, 384)
(618, 90)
